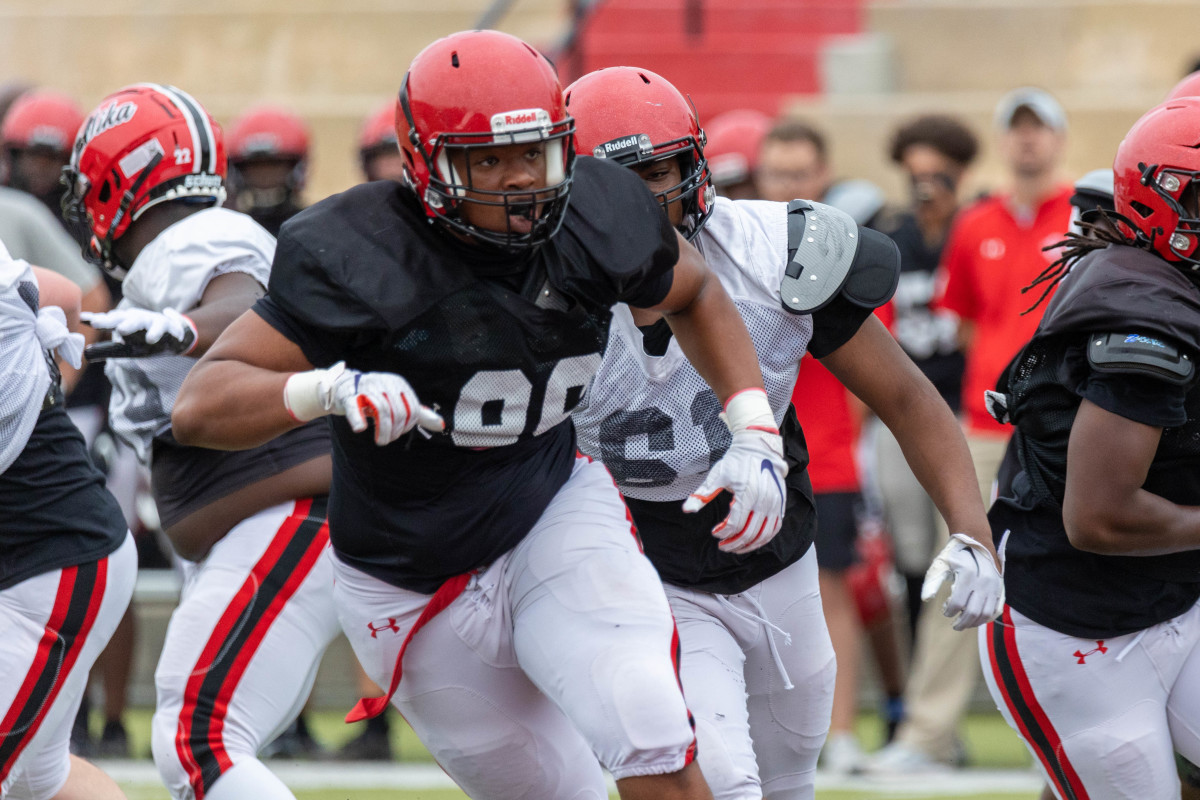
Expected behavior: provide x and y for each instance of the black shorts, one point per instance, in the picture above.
(837, 529)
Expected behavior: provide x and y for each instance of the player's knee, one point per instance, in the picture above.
(645, 723)
(167, 759)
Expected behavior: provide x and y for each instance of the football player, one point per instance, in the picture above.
(805, 277)
(268, 165)
(242, 648)
(1095, 661)
(36, 136)
(69, 563)
(734, 140)
(476, 290)
(378, 149)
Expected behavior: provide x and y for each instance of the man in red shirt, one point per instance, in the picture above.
(994, 250)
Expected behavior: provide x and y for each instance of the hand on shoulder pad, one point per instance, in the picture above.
(978, 593)
(753, 470)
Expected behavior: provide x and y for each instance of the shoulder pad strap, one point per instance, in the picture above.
(828, 253)
(1132, 353)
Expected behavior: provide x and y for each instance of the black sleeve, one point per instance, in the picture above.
(1137, 397)
(615, 224)
(306, 305)
(836, 324)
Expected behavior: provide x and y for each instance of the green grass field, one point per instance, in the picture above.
(989, 741)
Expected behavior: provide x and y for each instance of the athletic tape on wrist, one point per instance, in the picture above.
(302, 395)
(749, 410)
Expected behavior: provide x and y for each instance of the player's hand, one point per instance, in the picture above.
(753, 470)
(138, 332)
(384, 398)
(978, 593)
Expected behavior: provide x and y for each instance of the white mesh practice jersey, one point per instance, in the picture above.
(24, 372)
(653, 420)
(172, 272)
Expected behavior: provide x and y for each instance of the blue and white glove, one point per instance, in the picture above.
(752, 470)
(978, 594)
(384, 398)
(139, 332)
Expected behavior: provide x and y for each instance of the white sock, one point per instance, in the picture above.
(249, 778)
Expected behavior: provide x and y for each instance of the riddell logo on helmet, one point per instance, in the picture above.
(536, 120)
(106, 118)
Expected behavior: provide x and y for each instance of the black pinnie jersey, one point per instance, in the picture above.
(55, 511)
(503, 347)
(1145, 303)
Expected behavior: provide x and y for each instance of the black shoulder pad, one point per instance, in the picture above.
(1133, 353)
(875, 271)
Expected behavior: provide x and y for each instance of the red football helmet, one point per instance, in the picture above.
(267, 132)
(482, 89)
(1155, 182)
(143, 145)
(734, 139)
(1188, 87)
(40, 118)
(634, 116)
(379, 131)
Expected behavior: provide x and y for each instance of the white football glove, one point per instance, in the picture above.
(140, 332)
(978, 593)
(382, 397)
(752, 470)
(55, 336)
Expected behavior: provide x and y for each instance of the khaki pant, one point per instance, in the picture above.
(945, 661)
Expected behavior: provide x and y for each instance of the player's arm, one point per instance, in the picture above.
(872, 366)
(714, 338)
(1105, 509)
(55, 290)
(233, 398)
(708, 326)
(141, 332)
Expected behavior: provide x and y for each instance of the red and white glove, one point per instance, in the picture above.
(978, 593)
(384, 398)
(752, 470)
(140, 332)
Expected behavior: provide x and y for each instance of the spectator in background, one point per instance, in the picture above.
(378, 150)
(793, 163)
(995, 248)
(934, 151)
(268, 165)
(734, 140)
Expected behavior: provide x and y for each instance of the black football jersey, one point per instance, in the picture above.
(502, 346)
(1117, 290)
(55, 511)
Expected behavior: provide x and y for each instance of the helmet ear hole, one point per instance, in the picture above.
(1142, 209)
(105, 193)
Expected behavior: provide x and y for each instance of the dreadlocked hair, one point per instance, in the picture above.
(1099, 227)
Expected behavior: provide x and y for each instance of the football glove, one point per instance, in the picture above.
(139, 332)
(978, 593)
(752, 470)
(384, 398)
(54, 335)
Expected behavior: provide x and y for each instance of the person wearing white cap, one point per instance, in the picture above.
(993, 250)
